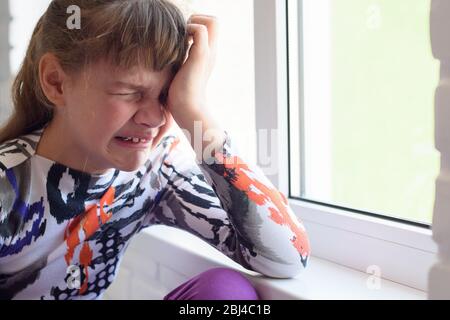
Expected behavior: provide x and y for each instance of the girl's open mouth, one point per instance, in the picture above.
(136, 143)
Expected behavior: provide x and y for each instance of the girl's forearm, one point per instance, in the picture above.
(203, 132)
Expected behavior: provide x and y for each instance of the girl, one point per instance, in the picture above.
(87, 160)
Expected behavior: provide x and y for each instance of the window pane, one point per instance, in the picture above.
(362, 110)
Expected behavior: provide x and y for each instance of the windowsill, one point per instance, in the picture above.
(322, 279)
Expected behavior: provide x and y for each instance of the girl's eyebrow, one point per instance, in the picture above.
(129, 85)
(134, 86)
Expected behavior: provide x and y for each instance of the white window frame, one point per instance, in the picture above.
(400, 252)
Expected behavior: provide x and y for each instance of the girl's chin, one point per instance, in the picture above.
(128, 168)
(132, 165)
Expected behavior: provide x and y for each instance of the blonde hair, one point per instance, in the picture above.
(151, 33)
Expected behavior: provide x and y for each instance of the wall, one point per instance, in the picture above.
(439, 277)
(5, 72)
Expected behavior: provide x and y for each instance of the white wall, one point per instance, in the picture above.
(24, 18)
(439, 277)
(4, 59)
(17, 21)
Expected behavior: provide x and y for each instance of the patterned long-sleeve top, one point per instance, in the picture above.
(63, 232)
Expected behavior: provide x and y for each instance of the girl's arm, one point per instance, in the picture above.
(223, 200)
(233, 206)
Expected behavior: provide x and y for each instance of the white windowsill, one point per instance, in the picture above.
(322, 279)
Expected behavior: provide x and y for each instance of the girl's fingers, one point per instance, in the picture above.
(204, 30)
(211, 24)
(199, 34)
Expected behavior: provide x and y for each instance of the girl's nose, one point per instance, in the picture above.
(152, 117)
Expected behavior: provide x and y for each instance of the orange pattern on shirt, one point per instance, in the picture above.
(87, 224)
(278, 212)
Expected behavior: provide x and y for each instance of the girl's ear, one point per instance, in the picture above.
(51, 78)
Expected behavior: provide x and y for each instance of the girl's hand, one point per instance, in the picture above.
(187, 92)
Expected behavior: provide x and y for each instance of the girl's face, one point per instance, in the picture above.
(104, 103)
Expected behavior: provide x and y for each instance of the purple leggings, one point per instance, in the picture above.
(215, 284)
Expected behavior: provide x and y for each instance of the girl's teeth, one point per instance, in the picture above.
(135, 140)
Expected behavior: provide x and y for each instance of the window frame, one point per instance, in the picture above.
(402, 252)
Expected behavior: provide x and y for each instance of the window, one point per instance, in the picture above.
(401, 252)
(362, 82)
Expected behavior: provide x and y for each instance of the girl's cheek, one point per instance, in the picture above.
(118, 110)
(165, 128)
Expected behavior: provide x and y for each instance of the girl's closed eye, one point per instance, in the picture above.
(130, 95)
(125, 93)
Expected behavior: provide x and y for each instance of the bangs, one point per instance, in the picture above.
(146, 33)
